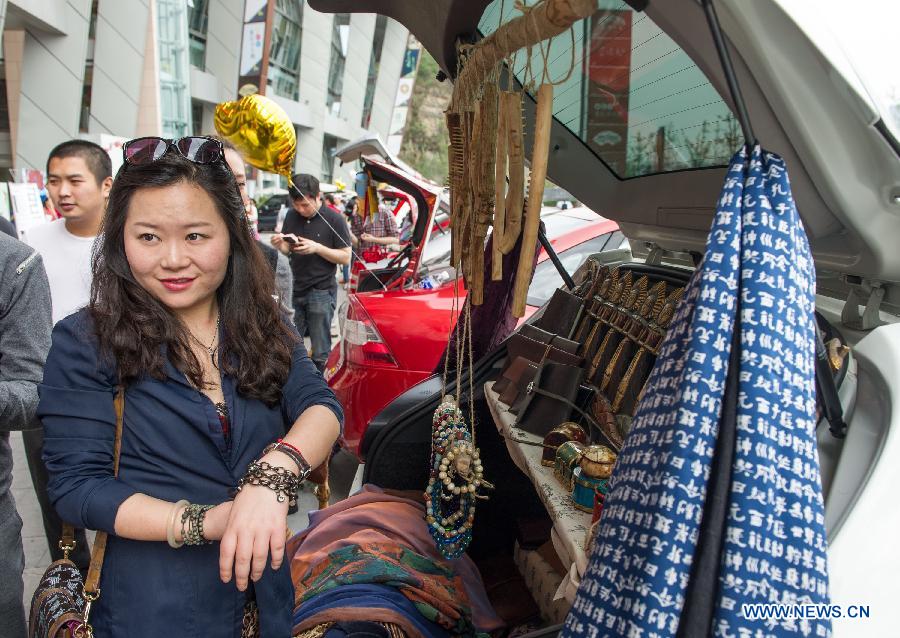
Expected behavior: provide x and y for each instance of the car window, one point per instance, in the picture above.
(547, 278)
(634, 97)
(558, 223)
(437, 250)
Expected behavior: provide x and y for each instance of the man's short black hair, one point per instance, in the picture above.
(304, 184)
(329, 197)
(94, 156)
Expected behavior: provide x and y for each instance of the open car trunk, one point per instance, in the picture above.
(381, 166)
(845, 177)
(512, 535)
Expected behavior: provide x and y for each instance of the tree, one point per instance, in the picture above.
(425, 141)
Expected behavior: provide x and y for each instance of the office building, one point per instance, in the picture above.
(109, 70)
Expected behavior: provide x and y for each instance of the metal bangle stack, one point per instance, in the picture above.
(278, 479)
(294, 454)
(192, 524)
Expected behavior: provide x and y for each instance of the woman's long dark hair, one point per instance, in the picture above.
(138, 332)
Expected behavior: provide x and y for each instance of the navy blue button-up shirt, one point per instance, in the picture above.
(171, 450)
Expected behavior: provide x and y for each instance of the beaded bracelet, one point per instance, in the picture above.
(192, 524)
(276, 478)
(292, 453)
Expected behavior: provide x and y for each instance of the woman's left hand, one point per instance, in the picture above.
(256, 526)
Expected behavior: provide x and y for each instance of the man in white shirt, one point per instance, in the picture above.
(79, 176)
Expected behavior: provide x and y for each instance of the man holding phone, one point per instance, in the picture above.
(316, 239)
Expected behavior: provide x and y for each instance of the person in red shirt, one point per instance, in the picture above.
(331, 202)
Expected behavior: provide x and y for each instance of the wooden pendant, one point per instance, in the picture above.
(511, 103)
(456, 170)
(466, 197)
(539, 157)
(483, 158)
(499, 193)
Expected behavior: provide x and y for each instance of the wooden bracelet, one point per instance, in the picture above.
(170, 525)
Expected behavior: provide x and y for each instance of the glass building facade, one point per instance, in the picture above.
(340, 44)
(374, 65)
(284, 51)
(174, 71)
(198, 23)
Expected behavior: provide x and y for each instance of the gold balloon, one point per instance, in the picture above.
(261, 131)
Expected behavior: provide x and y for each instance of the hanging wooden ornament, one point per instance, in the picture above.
(484, 156)
(500, 165)
(467, 198)
(456, 170)
(511, 104)
(539, 156)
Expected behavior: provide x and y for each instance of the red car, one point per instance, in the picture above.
(393, 338)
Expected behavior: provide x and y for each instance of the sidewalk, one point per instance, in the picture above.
(37, 552)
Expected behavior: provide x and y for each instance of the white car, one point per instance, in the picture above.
(811, 101)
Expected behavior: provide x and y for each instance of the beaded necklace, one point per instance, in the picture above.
(456, 472)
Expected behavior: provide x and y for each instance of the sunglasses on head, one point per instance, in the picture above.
(197, 149)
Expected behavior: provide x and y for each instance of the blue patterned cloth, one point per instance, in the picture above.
(774, 545)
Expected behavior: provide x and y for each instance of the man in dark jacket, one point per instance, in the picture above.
(25, 323)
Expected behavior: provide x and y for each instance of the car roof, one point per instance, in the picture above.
(844, 171)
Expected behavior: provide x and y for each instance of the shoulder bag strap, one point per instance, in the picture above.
(92, 582)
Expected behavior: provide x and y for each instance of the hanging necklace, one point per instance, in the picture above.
(212, 348)
(456, 472)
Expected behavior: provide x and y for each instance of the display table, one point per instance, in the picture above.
(570, 525)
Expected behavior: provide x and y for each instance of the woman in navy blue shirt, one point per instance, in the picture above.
(182, 317)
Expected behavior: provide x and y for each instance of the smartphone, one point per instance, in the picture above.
(291, 239)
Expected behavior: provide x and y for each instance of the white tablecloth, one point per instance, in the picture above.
(569, 523)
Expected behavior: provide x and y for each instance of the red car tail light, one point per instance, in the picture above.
(362, 342)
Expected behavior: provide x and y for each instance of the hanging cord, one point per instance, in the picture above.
(528, 78)
(571, 63)
(527, 73)
(471, 375)
(511, 56)
(311, 204)
(460, 350)
(454, 314)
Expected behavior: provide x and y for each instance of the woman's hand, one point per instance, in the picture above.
(256, 525)
(216, 521)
